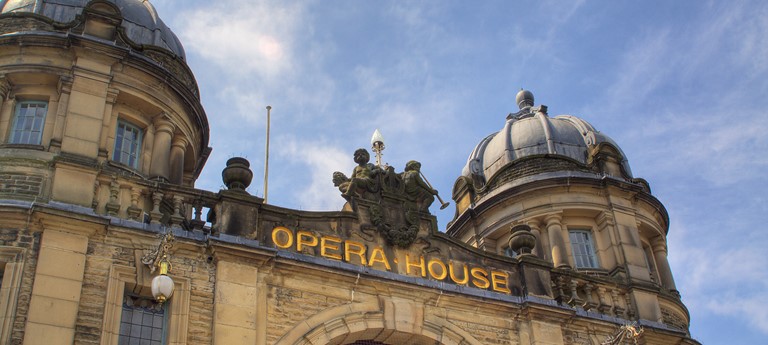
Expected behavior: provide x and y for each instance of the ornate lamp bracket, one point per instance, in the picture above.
(160, 260)
(626, 332)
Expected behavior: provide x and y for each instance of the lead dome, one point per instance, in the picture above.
(534, 146)
(140, 20)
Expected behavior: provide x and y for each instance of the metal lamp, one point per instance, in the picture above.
(158, 260)
(377, 141)
(162, 284)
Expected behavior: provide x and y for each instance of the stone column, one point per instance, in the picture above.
(665, 273)
(538, 250)
(178, 150)
(161, 150)
(556, 240)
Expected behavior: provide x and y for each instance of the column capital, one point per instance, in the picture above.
(65, 84)
(659, 245)
(180, 142)
(5, 87)
(535, 224)
(605, 219)
(112, 95)
(554, 219)
(163, 124)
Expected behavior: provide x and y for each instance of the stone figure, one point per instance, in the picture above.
(340, 180)
(416, 189)
(364, 177)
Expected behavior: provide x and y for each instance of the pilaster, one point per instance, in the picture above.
(56, 290)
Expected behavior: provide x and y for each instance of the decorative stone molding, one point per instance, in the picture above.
(13, 260)
(122, 276)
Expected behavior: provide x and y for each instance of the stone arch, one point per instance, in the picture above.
(393, 321)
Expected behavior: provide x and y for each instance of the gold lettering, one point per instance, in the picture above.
(481, 278)
(453, 275)
(420, 264)
(278, 240)
(331, 243)
(500, 281)
(300, 242)
(443, 269)
(360, 251)
(377, 255)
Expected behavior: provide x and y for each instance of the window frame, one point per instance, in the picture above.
(117, 154)
(12, 260)
(588, 247)
(15, 121)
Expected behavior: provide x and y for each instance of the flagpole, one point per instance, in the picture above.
(266, 159)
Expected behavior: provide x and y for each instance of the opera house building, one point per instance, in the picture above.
(104, 238)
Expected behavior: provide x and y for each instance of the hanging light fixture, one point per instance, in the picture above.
(159, 260)
(162, 284)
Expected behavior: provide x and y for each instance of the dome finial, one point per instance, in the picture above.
(524, 98)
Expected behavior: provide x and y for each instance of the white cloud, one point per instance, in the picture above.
(730, 282)
(321, 159)
(244, 37)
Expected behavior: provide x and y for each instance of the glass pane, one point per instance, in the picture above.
(24, 137)
(136, 317)
(135, 332)
(157, 334)
(146, 333)
(38, 124)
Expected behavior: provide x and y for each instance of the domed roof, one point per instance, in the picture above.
(532, 133)
(140, 20)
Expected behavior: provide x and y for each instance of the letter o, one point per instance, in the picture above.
(443, 273)
(276, 237)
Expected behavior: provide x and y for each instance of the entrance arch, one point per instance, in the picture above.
(400, 322)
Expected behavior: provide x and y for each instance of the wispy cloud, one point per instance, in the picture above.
(244, 37)
(321, 159)
(728, 278)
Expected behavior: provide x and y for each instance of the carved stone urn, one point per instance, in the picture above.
(237, 175)
(522, 240)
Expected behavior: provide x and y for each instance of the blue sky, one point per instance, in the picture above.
(681, 86)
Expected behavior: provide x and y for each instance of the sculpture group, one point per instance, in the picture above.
(368, 181)
(385, 190)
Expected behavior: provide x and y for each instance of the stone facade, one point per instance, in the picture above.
(77, 223)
